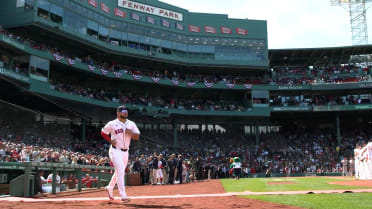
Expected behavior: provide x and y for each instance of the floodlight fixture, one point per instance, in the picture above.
(358, 20)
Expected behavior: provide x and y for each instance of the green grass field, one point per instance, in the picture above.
(321, 201)
(313, 201)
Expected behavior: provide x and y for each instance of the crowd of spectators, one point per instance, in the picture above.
(207, 104)
(203, 155)
(114, 66)
(324, 74)
(309, 100)
(149, 101)
(288, 75)
(200, 154)
(284, 75)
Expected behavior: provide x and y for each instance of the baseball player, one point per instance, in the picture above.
(351, 167)
(366, 152)
(344, 166)
(363, 162)
(159, 172)
(119, 133)
(369, 160)
(356, 161)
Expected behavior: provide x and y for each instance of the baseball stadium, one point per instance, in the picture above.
(143, 104)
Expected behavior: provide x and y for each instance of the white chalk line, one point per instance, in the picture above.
(227, 194)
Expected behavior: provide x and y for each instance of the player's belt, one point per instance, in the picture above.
(124, 150)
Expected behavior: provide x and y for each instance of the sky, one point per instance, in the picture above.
(290, 23)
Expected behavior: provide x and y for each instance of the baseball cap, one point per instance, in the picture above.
(122, 109)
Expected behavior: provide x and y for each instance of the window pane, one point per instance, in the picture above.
(155, 41)
(43, 4)
(39, 63)
(144, 39)
(56, 10)
(67, 4)
(84, 11)
(124, 27)
(90, 14)
(166, 44)
(101, 19)
(78, 9)
(103, 31)
(132, 37)
(115, 34)
(182, 47)
(96, 16)
(60, 2)
(68, 20)
(193, 48)
(124, 36)
(82, 27)
(107, 22)
(92, 25)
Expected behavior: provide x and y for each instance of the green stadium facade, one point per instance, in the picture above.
(158, 36)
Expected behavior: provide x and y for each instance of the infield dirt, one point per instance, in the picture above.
(206, 187)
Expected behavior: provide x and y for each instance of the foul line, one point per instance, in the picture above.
(22, 199)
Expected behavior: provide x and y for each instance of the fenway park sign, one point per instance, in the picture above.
(150, 10)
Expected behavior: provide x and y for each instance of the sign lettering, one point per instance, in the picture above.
(150, 9)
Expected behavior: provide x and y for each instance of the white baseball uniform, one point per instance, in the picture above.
(363, 163)
(357, 163)
(159, 173)
(119, 154)
(369, 161)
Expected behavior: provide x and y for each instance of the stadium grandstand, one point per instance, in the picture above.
(205, 86)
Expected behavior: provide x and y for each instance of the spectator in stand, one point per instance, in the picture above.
(87, 181)
(179, 170)
(58, 179)
(71, 181)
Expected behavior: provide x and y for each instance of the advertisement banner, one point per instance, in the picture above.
(323, 108)
(190, 84)
(290, 109)
(151, 20)
(105, 8)
(175, 82)
(118, 74)
(193, 28)
(155, 79)
(165, 23)
(179, 26)
(208, 84)
(247, 85)
(241, 31)
(92, 2)
(119, 13)
(225, 30)
(135, 16)
(209, 29)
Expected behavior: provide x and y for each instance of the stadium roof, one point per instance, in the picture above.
(313, 56)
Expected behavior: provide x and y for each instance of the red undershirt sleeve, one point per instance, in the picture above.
(105, 136)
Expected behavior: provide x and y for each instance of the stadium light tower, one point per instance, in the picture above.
(357, 11)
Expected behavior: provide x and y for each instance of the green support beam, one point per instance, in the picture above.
(27, 176)
(54, 181)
